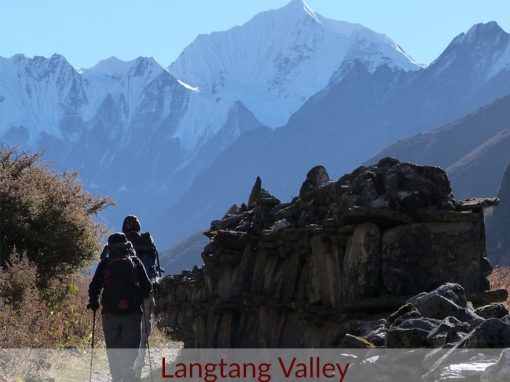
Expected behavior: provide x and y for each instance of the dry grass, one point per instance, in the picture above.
(54, 317)
(35, 324)
(500, 278)
(51, 318)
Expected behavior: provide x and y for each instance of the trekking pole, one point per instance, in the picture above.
(147, 336)
(92, 345)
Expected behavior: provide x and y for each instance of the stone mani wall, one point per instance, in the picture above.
(305, 273)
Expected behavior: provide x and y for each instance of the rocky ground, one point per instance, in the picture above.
(440, 318)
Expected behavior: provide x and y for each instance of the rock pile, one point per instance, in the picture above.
(442, 317)
(326, 268)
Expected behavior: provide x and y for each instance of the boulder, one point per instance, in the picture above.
(419, 323)
(410, 187)
(447, 331)
(411, 332)
(377, 336)
(406, 338)
(256, 192)
(447, 300)
(280, 225)
(259, 194)
(315, 178)
(402, 314)
(492, 333)
(354, 342)
(492, 311)
(487, 297)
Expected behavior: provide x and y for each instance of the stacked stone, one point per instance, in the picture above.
(443, 317)
(295, 274)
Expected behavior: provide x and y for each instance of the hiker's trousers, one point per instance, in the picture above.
(122, 334)
(148, 311)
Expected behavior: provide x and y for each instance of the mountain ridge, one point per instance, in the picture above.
(341, 126)
(136, 117)
(457, 146)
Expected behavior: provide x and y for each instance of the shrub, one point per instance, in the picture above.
(46, 215)
(55, 317)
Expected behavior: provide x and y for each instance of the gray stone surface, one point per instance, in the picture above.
(421, 256)
(492, 333)
(362, 263)
(316, 177)
(492, 311)
(447, 300)
(334, 261)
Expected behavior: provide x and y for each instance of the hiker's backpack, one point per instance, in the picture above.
(146, 251)
(121, 291)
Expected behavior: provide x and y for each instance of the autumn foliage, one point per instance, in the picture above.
(53, 317)
(46, 216)
(500, 278)
(47, 236)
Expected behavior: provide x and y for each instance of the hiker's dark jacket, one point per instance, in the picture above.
(97, 283)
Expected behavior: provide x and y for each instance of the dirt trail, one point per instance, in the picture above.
(53, 365)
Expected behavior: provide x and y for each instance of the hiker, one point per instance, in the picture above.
(146, 251)
(124, 284)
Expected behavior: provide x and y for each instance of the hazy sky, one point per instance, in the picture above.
(90, 30)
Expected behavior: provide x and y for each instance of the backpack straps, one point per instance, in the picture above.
(112, 260)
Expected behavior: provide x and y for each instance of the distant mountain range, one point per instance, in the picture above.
(143, 133)
(355, 116)
(474, 150)
(273, 97)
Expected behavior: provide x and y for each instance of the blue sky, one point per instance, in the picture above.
(90, 30)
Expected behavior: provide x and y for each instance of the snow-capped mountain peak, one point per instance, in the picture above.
(485, 33)
(110, 66)
(297, 9)
(123, 80)
(485, 44)
(38, 66)
(34, 93)
(274, 62)
(310, 12)
(115, 67)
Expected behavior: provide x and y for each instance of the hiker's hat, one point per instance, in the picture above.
(130, 224)
(117, 238)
